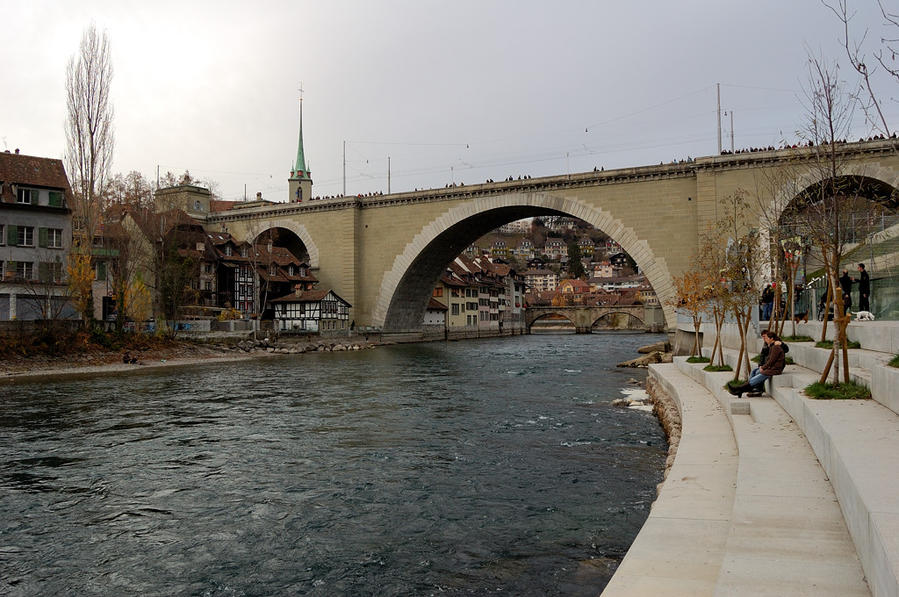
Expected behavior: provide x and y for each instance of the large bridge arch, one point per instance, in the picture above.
(406, 286)
(251, 229)
(794, 187)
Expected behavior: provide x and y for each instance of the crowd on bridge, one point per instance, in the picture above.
(801, 145)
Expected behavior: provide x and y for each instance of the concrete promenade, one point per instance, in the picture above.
(813, 506)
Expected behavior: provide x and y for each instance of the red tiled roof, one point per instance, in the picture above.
(30, 170)
(434, 305)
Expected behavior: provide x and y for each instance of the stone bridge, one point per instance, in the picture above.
(651, 318)
(384, 254)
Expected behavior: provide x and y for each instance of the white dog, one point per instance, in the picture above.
(864, 316)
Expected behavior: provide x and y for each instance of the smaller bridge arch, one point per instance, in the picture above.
(584, 318)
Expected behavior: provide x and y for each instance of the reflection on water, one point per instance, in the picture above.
(445, 468)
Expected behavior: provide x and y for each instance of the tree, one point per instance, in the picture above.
(690, 296)
(883, 51)
(89, 146)
(829, 204)
(131, 190)
(575, 266)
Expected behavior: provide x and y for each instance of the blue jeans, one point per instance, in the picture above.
(757, 379)
(766, 311)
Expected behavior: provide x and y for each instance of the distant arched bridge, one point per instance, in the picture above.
(584, 318)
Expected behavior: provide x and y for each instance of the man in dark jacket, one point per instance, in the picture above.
(846, 287)
(864, 289)
(773, 365)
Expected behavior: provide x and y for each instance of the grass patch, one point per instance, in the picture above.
(839, 391)
(734, 383)
(788, 360)
(698, 360)
(828, 344)
(895, 361)
(798, 339)
(714, 368)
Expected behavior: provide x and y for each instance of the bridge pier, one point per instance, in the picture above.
(583, 330)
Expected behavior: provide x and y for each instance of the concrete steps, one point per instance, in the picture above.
(787, 534)
(855, 443)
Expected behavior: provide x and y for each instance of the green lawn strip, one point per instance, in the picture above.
(895, 361)
(714, 368)
(734, 383)
(788, 359)
(698, 360)
(839, 391)
(828, 344)
(798, 339)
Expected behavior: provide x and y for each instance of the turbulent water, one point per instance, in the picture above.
(467, 468)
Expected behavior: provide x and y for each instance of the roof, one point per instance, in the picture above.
(539, 272)
(434, 305)
(216, 205)
(34, 171)
(307, 296)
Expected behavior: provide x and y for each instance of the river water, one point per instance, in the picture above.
(466, 468)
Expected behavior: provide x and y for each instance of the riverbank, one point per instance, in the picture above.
(177, 354)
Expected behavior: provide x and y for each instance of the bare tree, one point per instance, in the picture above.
(883, 57)
(89, 140)
(828, 205)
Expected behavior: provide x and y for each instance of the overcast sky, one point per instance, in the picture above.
(463, 90)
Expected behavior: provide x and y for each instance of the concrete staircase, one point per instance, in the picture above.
(814, 505)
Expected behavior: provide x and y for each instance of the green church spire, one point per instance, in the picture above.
(299, 170)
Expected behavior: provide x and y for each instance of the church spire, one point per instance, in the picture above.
(300, 182)
(299, 170)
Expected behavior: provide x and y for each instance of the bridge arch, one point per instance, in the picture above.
(787, 193)
(291, 225)
(612, 313)
(554, 316)
(406, 286)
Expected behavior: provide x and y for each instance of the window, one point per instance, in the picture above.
(2, 237)
(24, 270)
(243, 251)
(455, 308)
(438, 291)
(228, 250)
(100, 271)
(26, 196)
(50, 272)
(25, 236)
(55, 199)
(50, 237)
(290, 270)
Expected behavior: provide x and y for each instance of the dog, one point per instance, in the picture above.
(864, 316)
(803, 317)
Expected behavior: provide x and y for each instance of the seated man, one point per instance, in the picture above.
(763, 358)
(773, 365)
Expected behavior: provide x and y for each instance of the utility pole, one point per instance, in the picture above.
(718, 85)
(388, 175)
(344, 166)
(731, 131)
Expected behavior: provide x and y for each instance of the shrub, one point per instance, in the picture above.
(734, 383)
(895, 361)
(828, 344)
(798, 339)
(838, 391)
(714, 368)
(698, 360)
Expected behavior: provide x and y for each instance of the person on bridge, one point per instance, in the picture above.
(774, 364)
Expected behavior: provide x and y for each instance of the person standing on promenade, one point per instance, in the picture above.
(864, 289)
(846, 288)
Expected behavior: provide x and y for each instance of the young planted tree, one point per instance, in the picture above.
(712, 261)
(690, 296)
(89, 146)
(740, 264)
(828, 205)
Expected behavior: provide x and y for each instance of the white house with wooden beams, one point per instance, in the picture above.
(311, 311)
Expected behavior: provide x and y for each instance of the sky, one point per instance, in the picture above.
(457, 91)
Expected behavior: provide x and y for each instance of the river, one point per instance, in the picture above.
(463, 468)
